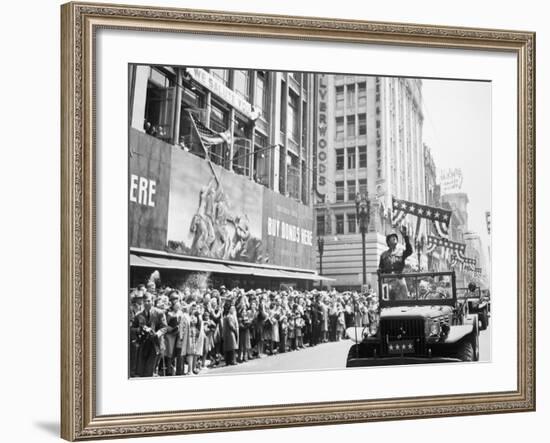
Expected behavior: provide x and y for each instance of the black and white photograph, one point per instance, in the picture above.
(300, 221)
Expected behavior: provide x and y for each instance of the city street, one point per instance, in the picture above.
(330, 355)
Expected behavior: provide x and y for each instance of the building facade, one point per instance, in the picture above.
(368, 139)
(221, 174)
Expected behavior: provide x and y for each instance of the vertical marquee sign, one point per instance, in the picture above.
(321, 123)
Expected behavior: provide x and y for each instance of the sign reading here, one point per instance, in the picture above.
(142, 190)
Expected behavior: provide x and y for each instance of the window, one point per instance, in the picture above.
(340, 223)
(362, 94)
(339, 128)
(363, 186)
(242, 147)
(159, 101)
(260, 94)
(222, 75)
(340, 191)
(362, 156)
(241, 81)
(321, 225)
(352, 224)
(339, 159)
(339, 97)
(350, 96)
(350, 126)
(261, 160)
(294, 116)
(218, 119)
(351, 158)
(351, 190)
(362, 124)
(283, 107)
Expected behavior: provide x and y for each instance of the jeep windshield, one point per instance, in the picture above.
(426, 288)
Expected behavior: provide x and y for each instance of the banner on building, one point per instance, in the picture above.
(439, 217)
(454, 247)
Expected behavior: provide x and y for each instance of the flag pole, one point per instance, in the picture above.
(206, 153)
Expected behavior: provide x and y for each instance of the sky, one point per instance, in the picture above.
(457, 128)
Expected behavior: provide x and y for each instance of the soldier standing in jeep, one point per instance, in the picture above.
(393, 260)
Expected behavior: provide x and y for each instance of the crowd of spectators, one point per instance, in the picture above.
(183, 331)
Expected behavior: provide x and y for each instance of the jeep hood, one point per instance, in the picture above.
(415, 311)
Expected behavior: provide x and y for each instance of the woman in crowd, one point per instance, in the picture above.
(274, 315)
(259, 326)
(230, 332)
(298, 326)
(245, 322)
(173, 318)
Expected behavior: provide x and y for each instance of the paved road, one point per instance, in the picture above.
(330, 355)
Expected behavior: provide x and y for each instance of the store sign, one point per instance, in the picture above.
(322, 134)
(450, 180)
(221, 90)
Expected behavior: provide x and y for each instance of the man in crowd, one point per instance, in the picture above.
(149, 326)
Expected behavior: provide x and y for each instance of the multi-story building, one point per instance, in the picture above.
(457, 202)
(474, 249)
(368, 139)
(432, 192)
(221, 171)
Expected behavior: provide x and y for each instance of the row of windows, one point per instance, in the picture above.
(350, 126)
(352, 189)
(342, 221)
(242, 86)
(351, 155)
(350, 94)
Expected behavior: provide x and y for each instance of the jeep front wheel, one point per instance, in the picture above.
(465, 351)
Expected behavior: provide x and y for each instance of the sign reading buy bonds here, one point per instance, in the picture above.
(287, 231)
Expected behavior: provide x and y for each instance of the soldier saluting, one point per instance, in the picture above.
(393, 259)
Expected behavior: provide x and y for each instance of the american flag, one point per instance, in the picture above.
(470, 264)
(452, 246)
(208, 136)
(439, 217)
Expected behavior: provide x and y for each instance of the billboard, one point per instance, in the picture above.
(149, 188)
(210, 212)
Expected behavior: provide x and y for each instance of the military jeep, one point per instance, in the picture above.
(419, 319)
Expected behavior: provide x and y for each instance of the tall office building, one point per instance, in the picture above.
(368, 139)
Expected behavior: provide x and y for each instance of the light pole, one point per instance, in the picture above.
(321, 248)
(362, 208)
(419, 248)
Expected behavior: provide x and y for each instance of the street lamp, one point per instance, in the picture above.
(362, 208)
(419, 248)
(321, 248)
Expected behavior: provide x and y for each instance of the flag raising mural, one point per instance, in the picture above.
(439, 217)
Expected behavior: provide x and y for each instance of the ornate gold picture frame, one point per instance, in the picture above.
(80, 23)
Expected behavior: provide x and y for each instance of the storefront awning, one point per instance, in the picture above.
(176, 263)
(257, 272)
(139, 260)
(307, 276)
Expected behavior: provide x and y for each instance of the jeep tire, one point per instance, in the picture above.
(464, 351)
(353, 353)
(483, 320)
